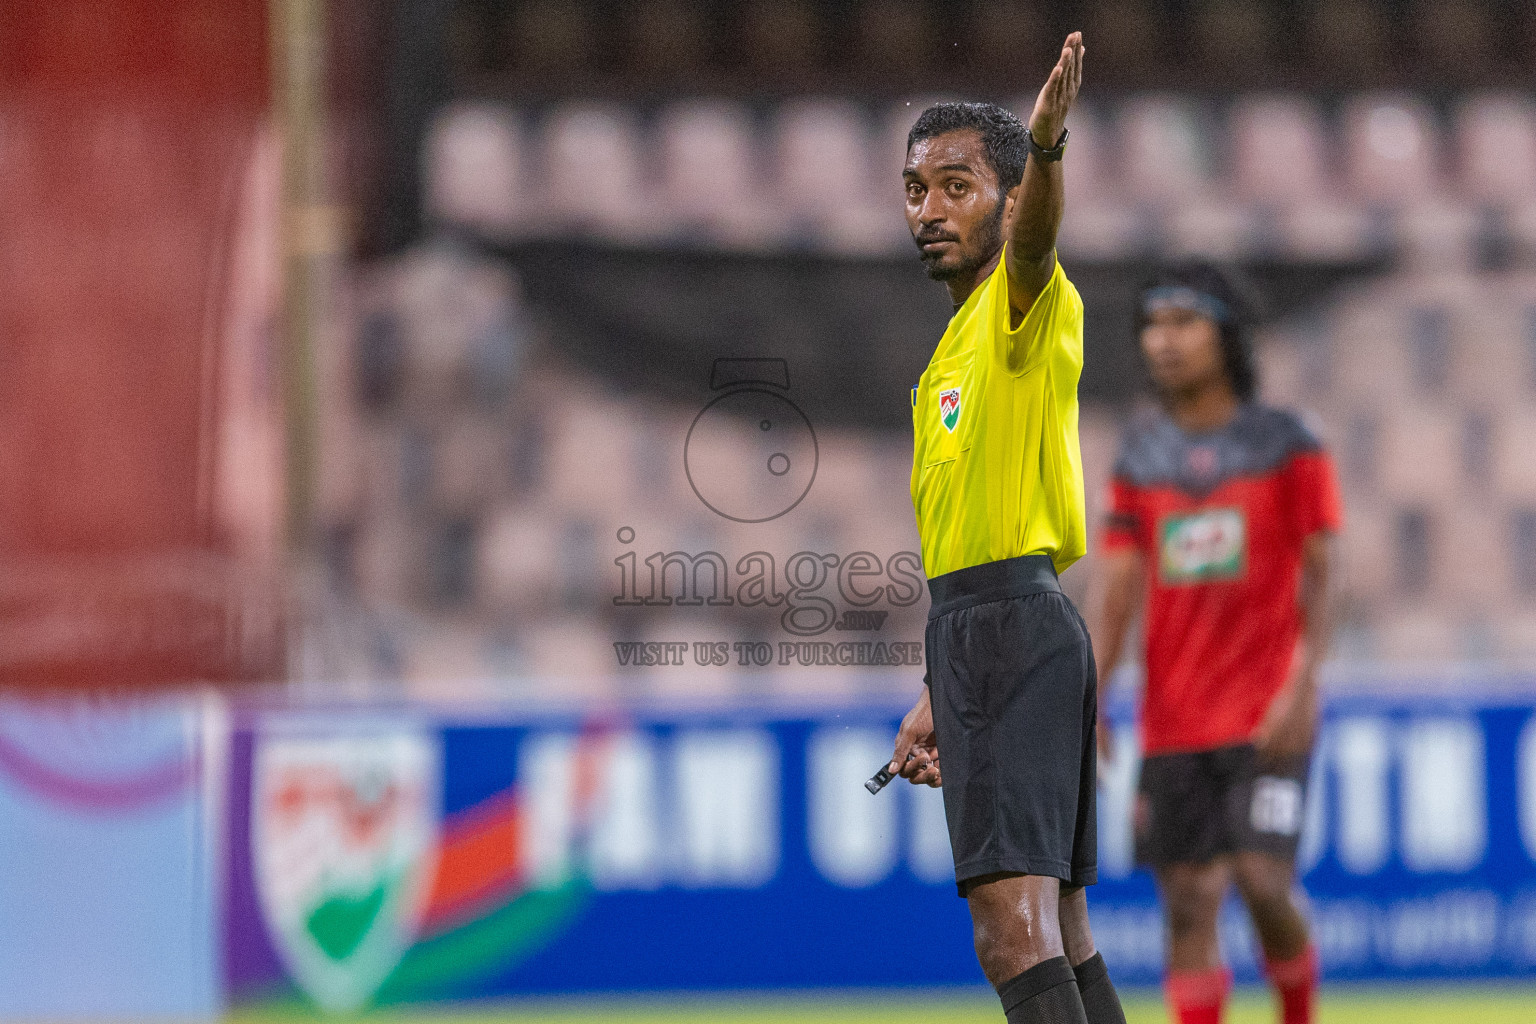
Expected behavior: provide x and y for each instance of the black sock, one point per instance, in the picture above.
(1044, 994)
(1100, 1001)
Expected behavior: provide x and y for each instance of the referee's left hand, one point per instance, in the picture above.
(1050, 114)
(916, 757)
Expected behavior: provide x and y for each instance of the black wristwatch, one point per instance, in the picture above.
(1038, 151)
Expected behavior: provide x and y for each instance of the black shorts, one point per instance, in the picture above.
(1192, 808)
(1015, 706)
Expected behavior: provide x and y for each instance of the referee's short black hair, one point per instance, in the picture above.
(1235, 310)
(1001, 131)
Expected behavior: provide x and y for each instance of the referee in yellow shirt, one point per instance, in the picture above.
(997, 483)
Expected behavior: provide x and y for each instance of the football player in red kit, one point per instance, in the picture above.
(1220, 516)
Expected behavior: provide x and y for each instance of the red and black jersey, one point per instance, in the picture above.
(1220, 519)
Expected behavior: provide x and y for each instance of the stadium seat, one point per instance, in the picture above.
(1490, 359)
(821, 152)
(467, 452)
(1471, 570)
(1497, 136)
(1514, 468)
(1211, 226)
(1420, 632)
(1369, 363)
(377, 458)
(568, 658)
(518, 560)
(591, 167)
(1356, 447)
(1438, 235)
(1281, 369)
(846, 484)
(1164, 148)
(1520, 536)
(1099, 439)
(384, 557)
(445, 301)
(708, 164)
(1365, 553)
(1391, 149)
(1420, 454)
(1278, 145)
(1326, 229)
(1517, 635)
(590, 456)
(475, 168)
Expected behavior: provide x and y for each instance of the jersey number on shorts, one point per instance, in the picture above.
(1276, 807)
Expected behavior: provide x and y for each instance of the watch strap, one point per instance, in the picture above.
(1051, 155)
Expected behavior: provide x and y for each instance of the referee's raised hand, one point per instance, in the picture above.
(1059, 92)
(916, 757)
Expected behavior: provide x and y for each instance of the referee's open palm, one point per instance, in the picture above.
(1056, 98)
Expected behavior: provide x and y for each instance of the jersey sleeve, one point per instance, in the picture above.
(1052, 328)
(1314, 494)
(1123, 519)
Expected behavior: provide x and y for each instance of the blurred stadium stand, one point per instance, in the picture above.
(864, 47)
(610, 203)
(1267, 176)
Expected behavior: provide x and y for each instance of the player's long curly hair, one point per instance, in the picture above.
(1236, 327)
(1001, 131)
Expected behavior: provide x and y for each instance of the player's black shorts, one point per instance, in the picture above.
(1192, 808)
(1015, 702)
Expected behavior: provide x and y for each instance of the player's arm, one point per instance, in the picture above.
(1290, 724)
(1038, 207)
(1116, 592)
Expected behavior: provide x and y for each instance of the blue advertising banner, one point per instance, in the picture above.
(108, 883)
(377, 859)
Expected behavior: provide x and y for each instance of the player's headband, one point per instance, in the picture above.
(1182, 297)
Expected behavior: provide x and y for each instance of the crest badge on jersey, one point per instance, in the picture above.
(949, 408)
(344, 832)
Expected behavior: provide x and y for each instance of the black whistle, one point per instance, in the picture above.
(877, 781)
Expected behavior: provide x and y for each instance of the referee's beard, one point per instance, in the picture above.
(969, 259)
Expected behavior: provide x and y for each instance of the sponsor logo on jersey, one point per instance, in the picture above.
(344, 830)
(1204, 546)
(949, 408)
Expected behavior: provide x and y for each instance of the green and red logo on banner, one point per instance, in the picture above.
(348, 887)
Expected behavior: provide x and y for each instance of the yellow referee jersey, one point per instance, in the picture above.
(996, 470)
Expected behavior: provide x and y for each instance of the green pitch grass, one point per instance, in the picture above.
(1405, 1004)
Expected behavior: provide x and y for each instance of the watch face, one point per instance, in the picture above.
(751, 455)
